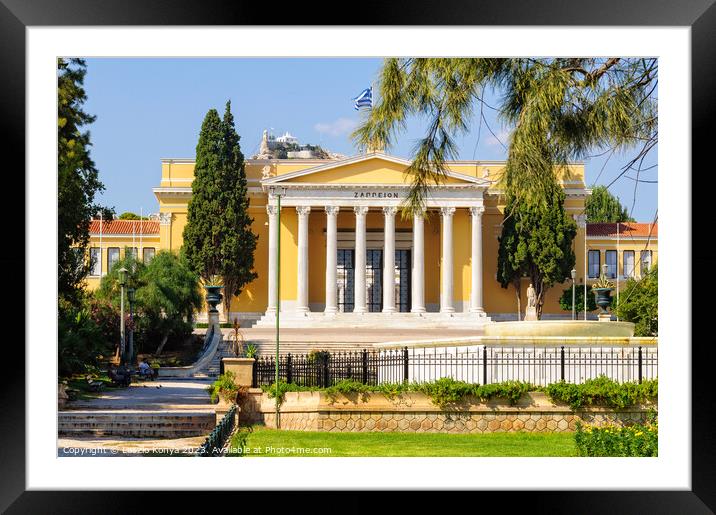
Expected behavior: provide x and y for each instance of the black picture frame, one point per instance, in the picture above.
(699, 15)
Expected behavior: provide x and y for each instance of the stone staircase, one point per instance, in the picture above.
(430, 320)
(136, 423)
(222, 351)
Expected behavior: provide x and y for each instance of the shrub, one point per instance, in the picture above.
(82, 341)
(603, 391)
(638, 440)
(224, 388)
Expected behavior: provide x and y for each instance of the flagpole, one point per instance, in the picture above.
(100, 244)
(618, 223)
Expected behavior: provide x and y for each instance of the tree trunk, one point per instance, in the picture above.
(161, 345)
(518, 292)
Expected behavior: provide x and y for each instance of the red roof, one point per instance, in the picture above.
(626, 229)
(125, 227)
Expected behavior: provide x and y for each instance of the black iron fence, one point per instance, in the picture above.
(214, 443)
(538, 365)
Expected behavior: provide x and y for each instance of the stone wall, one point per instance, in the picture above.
(415, 412)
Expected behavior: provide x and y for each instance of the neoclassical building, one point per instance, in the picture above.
(348, 255)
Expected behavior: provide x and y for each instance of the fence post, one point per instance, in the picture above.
(640, 363)
(254, 373)
(289, 372)
(326, 357)
(561, 362)
(405, 364)
(484, 364)
(364, 375)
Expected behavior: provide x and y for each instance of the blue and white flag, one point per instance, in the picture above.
(365, 99)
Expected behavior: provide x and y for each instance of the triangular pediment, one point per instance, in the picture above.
(373, 169)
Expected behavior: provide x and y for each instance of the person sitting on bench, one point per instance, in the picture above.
(145, 370)
(120, 376)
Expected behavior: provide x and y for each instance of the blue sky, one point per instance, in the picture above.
(149, 108)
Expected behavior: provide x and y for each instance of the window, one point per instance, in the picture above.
(131, 252)
(112, 257)
(610, 257)
(147, 254)
(95, 261)
(594, 264)
(628, 259)
(645, 261)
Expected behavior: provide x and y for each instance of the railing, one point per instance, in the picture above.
(214, 443)
(484, 364)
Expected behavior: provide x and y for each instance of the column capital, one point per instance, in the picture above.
(420, 213)
(303, 210)
(390, 210)
(332, 210)
(165, 218)
(447, 211)
(272, 210)
(477, 210)
(360, 210)
(581, 220)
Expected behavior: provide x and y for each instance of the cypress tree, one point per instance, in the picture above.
(217, 237)
(602, 206)
(536, 242)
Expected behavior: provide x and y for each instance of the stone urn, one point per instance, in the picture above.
(213, 297)
(603, 298)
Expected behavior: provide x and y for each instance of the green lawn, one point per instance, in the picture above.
(261, 441)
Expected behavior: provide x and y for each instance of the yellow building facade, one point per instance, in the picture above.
(342, 233)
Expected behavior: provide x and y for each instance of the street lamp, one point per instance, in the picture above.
(122, 283)
(130, 298)
(278, 196)
(574, 296)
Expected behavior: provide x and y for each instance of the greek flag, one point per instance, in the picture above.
(365, 99)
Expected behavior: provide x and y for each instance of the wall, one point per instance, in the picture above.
(415, 412)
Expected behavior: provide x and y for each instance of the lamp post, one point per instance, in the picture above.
(122, 283)
(574, 296)
(278, 196)
(130, 346)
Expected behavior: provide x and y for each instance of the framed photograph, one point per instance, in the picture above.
(363, 159)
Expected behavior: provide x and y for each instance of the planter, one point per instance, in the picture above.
(242, 369)
(213, 297)
(603, 298)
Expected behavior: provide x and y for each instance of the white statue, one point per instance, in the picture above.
(531, 297)
(531, 311)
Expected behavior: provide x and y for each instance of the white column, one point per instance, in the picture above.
(331, 258)
(418, 271)
(476, 265)
(389, 260)
(302, 301)
(272, 258)
(359, 305)
(446, 288)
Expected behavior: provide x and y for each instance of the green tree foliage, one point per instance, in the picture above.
(127, 215)
(167, 296)
(559, 109)
(602, 206)
(565, 301)
(81, 340)
(639, 303)
(217, 237)
(536, 242)
(77, 180)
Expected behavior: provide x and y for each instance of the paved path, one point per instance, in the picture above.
(164, 395)
(362, 334)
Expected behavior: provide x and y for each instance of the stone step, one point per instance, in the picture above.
(372, 320)
(137, 423)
